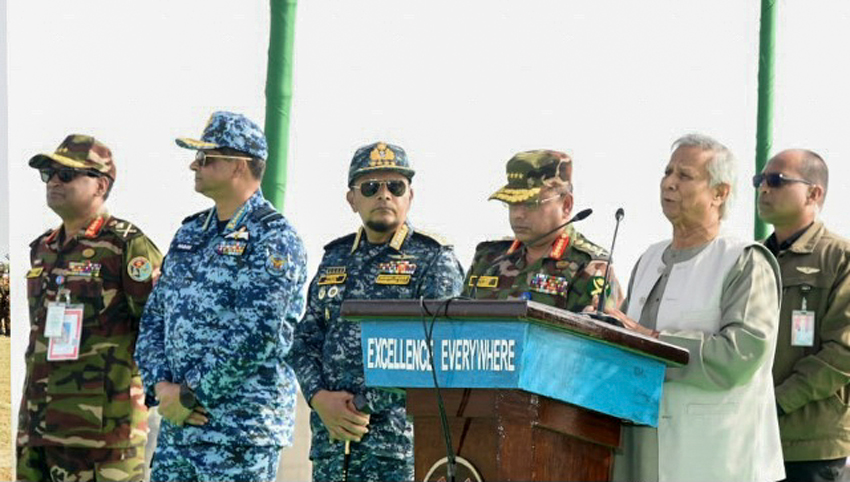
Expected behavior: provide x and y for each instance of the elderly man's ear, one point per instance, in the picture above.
(721, 192)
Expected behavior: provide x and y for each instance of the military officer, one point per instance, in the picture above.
(387, 258)
(220, 321)
(558, 267)
(83, 415)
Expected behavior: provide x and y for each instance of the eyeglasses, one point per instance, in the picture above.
(202, 158)
(371, 187)
(776, 179)
(534, 204)
(65, 174)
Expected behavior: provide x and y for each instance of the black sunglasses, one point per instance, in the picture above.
(65, 174)
(371, 187)
(776, 179)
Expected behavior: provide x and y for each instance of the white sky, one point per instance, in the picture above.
(461, 86)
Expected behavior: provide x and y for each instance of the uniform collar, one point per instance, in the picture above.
(559, 245)
(399, 237)
(91, 230)
(238, 219)
(805, 244)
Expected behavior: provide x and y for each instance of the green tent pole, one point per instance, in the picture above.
(279, 98)
(764, 125)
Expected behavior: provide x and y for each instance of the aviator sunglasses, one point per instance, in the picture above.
(65, 174)
(776, 179)
(203, 158)
(371, 187)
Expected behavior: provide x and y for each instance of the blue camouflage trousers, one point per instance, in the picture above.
(362, 467)
(214, 463)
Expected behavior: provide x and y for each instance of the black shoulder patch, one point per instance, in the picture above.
(266, 215)
(495, 242)
(347, 238)
(194, 216)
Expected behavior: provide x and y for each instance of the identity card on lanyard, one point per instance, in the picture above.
(63, 326)
(803, 327)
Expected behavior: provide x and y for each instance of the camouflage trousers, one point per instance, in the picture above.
(214, 463)
(362, 467)
(74, 464)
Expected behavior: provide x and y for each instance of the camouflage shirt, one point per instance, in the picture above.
(95, 401)
(221, 319)
(327, 354)
(568, 277)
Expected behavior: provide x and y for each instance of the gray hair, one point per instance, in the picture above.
(722, 168)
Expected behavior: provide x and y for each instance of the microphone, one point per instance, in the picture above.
(578, 217)
(600, 315)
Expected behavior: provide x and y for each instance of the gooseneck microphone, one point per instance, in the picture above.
(578, 217)
(600, 306)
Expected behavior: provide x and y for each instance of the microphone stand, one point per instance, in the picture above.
(600, 314)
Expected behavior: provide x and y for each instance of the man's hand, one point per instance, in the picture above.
(198, 416)
(629, 323)
(168, 395)
(343, 421)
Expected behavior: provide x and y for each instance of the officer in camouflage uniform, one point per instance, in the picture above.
(83, 415)
(559, 268)
(220, 321)
(385, 259)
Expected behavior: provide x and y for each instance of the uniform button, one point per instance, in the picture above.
(660, 270)
(643, 299)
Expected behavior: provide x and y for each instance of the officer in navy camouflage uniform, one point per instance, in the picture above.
(386, 258)
(221, 319)
(559, 268)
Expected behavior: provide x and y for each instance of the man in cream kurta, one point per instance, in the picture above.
(718, 297)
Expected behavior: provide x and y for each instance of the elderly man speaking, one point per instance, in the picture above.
(718, 297)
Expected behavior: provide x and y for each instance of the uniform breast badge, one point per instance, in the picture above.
(550, 285)
(333, 275)
(395, 273)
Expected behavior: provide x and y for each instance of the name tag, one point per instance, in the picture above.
(332, 279)
(392, 279)
(484, 281)
(35, 272)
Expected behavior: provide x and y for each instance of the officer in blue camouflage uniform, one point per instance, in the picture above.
(221, 319)
(385, 259)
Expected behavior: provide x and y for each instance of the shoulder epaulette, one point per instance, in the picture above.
(348, 238)
(124, 229)
(433, 237)
(266, 215)
(596, 252)
(194, 216)
(37, 240)
(506, 241)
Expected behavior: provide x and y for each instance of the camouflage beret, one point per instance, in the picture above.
(79, 151)
(379, 156)
(528, 172)
(235, 131)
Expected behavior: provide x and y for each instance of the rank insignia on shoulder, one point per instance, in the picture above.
(85, 269)
(231, 248)
(241, 233)
(392, 279)
(550, 285)
(276, 263)
(397, 267)
(140, 269)
(35, 272)
(333, 275)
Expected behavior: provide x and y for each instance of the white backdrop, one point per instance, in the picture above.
(460, 85)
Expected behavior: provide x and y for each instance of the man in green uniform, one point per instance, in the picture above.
(83, 415)
(557, 267)
(811, 370)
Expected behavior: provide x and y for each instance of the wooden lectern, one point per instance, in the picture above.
(531, 392)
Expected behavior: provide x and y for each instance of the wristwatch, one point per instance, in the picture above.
(187, 397)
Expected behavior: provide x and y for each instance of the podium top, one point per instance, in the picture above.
(518, 310)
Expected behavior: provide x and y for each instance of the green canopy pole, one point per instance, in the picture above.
(764, 125)
(279, 98)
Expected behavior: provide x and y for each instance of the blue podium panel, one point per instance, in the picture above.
(507, 354)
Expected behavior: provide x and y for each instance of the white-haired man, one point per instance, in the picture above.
(718, 297)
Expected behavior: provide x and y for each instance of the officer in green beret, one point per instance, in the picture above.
(557, 267)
